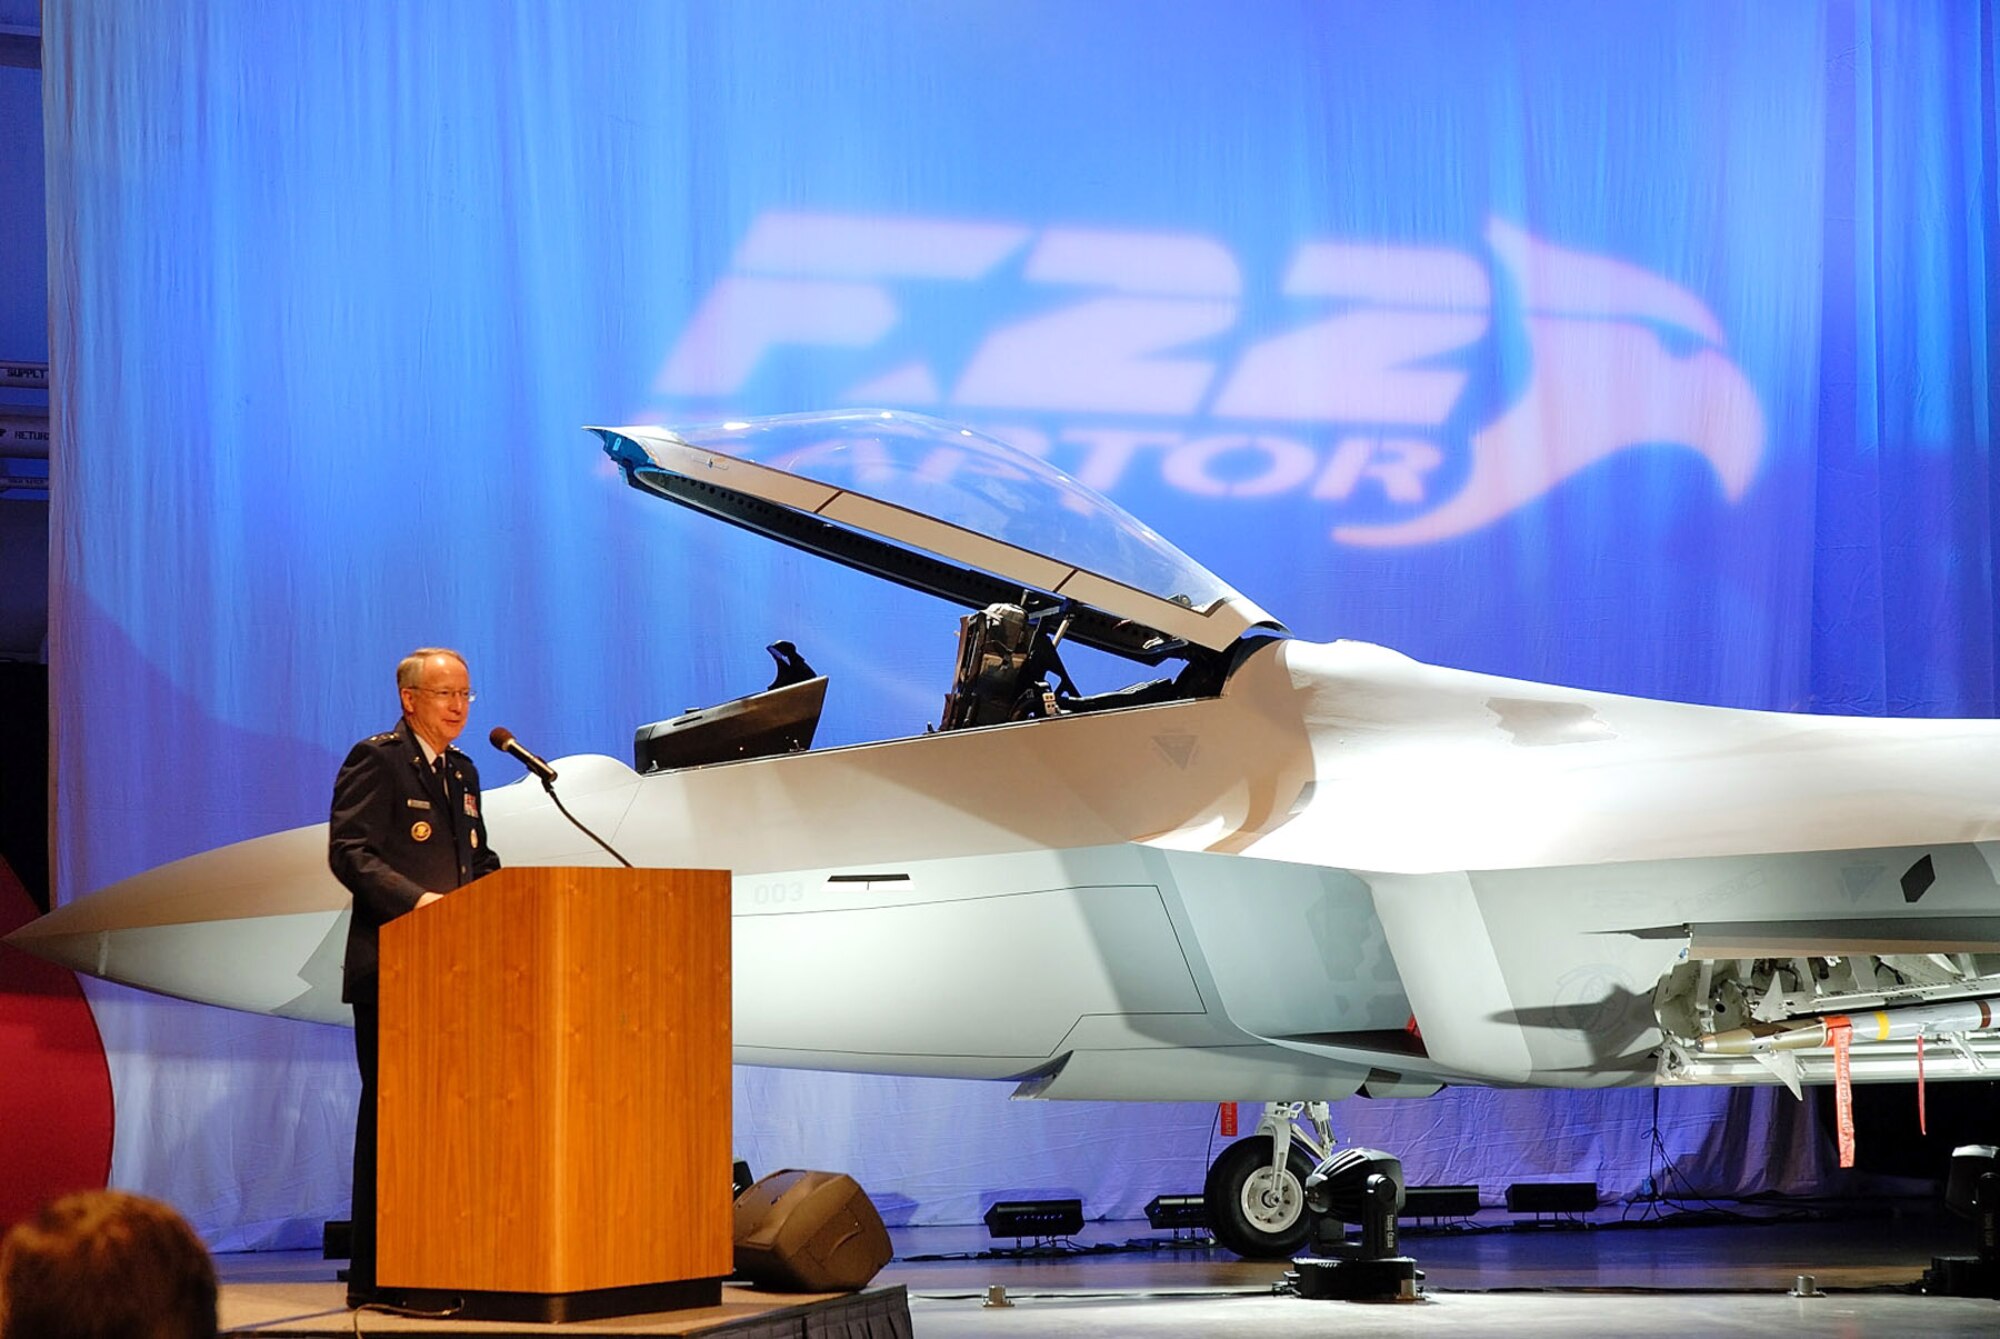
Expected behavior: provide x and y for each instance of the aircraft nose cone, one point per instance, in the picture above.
(52, 939)
(259, 925)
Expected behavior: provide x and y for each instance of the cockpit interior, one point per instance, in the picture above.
(1042, 562)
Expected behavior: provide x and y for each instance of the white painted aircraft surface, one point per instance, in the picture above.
(1271, 870)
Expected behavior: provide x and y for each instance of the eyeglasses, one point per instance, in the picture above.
(461, 695)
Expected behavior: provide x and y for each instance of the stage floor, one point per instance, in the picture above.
(1668, 1280)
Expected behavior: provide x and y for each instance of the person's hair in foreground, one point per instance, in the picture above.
(105, 1264)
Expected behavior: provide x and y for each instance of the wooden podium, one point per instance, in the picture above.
(554, 1095)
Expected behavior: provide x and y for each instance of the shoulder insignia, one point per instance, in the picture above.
(385, 737)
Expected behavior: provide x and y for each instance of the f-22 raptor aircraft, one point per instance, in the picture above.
(1266, 869)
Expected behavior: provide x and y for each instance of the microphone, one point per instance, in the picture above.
(503, 739)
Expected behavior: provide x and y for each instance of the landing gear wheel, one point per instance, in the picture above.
(1259, 1215)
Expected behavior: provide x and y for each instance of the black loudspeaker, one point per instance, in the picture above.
(809, 1232)
(1552, 1197)
(1440, 1201)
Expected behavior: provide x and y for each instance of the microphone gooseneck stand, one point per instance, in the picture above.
(503, 739)
(549, 785)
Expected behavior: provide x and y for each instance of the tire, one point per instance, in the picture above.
(1248, 1213)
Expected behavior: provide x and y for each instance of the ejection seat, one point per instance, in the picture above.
(781, 719)
(1008, 669)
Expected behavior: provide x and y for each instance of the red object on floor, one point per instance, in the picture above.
(55, 1103)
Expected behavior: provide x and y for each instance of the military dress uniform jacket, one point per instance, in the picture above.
(398, 830)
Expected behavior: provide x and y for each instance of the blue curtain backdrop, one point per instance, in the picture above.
(1637, 347)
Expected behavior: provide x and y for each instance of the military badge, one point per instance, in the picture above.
(420, 832)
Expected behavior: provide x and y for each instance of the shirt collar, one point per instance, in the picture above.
(430, 754)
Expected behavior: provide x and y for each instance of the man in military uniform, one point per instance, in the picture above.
(405, 830)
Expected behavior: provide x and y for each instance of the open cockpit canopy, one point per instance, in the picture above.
(949, 511)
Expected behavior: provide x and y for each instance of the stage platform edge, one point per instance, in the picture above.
(310, 1310)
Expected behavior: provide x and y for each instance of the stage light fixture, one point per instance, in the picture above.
(1971, 1190)
(1177, 1213)
(1970, 1165)
(1363, 1186)
(1353, 1185)
(1035, 1218)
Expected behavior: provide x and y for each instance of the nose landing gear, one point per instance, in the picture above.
(1256, 1190)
